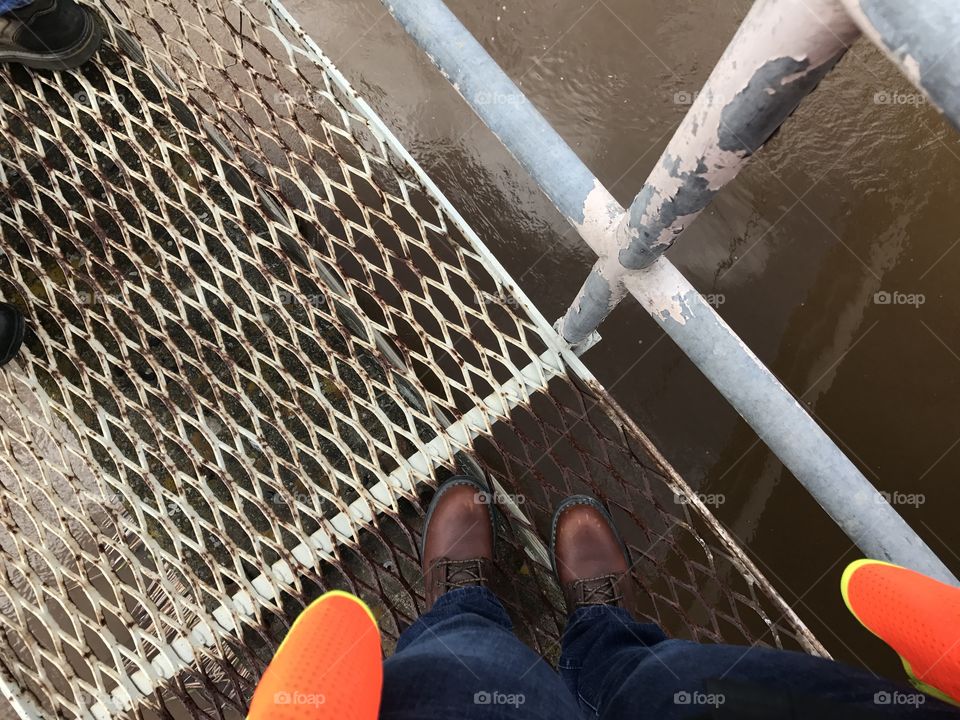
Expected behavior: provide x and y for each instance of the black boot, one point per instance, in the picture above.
(49, 34)
(12, 327)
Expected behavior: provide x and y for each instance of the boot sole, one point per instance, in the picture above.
(72, 57)
(19, 330)
(581, 500)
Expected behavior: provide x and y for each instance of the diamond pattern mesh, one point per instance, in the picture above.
(257, 341)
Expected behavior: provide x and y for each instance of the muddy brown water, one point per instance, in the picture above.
(857, 196)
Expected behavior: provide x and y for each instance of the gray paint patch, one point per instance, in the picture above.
(691, 197)
(757, 111)
(589, 309)
(747, 122)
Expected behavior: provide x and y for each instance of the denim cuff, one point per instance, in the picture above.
(479, 602)
(476, 599)
(592, 613)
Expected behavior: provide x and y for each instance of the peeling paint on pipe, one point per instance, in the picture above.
(781, 52)
(920, 37)
(841, 489)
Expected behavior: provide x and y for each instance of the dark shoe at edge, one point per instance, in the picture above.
(458, 538)
(12, 328)
(589, 558)
(49, 35)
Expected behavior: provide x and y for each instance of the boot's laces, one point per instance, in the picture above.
(462, 573)
(602, 590)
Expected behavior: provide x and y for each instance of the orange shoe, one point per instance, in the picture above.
(329, 665)
(917, 616)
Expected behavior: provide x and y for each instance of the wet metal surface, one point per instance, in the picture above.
(817, 254)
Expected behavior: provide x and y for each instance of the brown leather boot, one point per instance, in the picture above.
(589, 559)
(458, 538)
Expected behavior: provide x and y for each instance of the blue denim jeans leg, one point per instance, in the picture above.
(8, 5)
(461, 660)
(619, 669)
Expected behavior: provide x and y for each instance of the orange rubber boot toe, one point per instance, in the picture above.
(329, 665)
(917, 616)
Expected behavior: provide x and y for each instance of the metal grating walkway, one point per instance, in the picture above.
(260, 336)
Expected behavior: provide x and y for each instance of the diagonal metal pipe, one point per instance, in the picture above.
(782, 423)
(921, 38)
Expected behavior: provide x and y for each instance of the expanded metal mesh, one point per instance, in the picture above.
(257, 341)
